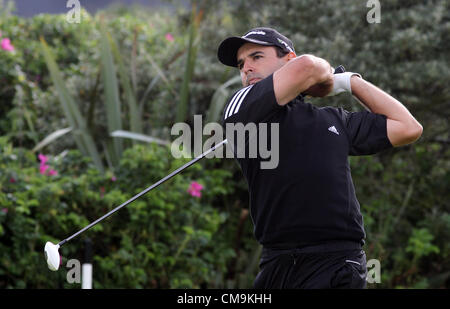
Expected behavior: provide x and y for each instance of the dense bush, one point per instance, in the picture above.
(166, 239)
(207, 246)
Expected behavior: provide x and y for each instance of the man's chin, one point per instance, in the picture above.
(253, 81)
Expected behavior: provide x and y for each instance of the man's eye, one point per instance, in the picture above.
(256, 57)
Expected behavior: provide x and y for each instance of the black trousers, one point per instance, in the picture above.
(319, 267)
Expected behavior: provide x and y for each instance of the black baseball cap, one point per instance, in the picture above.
(227, 52)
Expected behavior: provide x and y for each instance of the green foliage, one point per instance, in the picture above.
(420, 245)
(194, 38)
(165, 239)
(77, 122)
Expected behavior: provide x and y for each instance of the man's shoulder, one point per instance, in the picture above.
(239, 92)
(256, 99)
(235, 101)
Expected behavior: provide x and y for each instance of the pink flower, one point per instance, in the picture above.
(113, 178)
(195, 188)
(5, 210)
(43, 168)
(12, 180)
(169, 37)
(52, 173)
(6, 45)
(42, 158)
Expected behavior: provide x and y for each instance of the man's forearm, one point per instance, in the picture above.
(298, 75)
(323, 78)
(378, 101)
(403, 128)
(323, 71)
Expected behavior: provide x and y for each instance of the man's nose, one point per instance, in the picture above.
(247, 67)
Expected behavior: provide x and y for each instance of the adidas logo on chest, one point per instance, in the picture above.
(333, 129)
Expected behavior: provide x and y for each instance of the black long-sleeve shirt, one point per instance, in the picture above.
(309, 198)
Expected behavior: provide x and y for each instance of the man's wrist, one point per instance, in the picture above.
(342, 82)
(353, 80)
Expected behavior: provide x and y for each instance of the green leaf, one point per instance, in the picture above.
(51, 138)
(135, 118)
(194, 39)
(147, 91)
(139, 137)
(111, 89)
(161, 74)
(82, 137)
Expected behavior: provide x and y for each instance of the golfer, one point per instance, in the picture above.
(305, 211)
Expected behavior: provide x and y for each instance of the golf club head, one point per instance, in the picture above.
(52, 256)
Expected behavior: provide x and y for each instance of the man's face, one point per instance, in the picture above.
(256, 62)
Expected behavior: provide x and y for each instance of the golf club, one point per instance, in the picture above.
(51, 250)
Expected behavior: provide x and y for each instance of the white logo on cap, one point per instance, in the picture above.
(285, 44)
(254, 32)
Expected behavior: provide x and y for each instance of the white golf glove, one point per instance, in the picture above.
(342, 83)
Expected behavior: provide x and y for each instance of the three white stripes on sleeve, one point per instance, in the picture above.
(236, 102)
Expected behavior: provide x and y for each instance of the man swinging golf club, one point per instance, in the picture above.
(305, 211)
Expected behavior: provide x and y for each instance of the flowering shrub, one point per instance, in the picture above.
(167, 238)
(51, 196)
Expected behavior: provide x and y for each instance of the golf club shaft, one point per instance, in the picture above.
(145, 191)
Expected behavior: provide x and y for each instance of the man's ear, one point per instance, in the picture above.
(291, 56)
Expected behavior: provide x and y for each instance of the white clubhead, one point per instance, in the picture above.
(52, 256)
